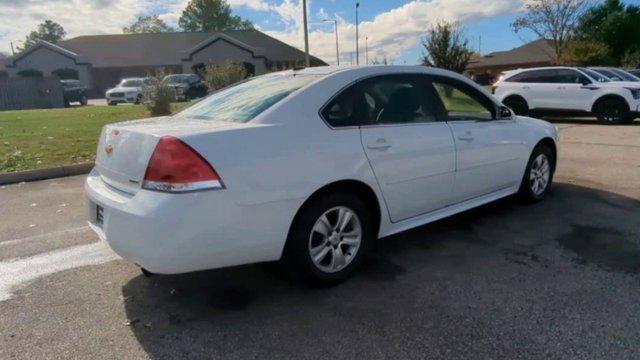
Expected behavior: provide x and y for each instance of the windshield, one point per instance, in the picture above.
(176, 79)
(246, 100)
(594, 75)
(131, 83)
(625, 75)
(610, 74)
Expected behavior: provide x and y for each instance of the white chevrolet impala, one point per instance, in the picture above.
(310, 167)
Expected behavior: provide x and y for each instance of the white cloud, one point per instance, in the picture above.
(393, 32)
(78, 17)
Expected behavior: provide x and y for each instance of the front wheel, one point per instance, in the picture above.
(83, 100)
(518, 105)
(329, 239)
(538, 176)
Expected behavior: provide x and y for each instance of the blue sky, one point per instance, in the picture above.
(394, 28)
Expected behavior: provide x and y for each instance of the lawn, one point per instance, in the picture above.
(33, 139)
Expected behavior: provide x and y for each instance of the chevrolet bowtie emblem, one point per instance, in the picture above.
(108, 149)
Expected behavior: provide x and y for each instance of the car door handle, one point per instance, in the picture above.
(525, 88)
(466, 137)
(380, 144)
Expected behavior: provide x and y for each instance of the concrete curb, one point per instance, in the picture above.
(43, 174)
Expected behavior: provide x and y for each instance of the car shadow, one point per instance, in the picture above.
(255, 311)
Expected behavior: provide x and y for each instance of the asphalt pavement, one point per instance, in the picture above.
(557, 279)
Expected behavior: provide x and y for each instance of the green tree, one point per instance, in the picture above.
(446, 47)
(147, 24)
(552, 19)
(211, 15)
(49, 31)
(585, 53)
(614, 24)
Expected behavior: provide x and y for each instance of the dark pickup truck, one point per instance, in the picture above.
(74, 91)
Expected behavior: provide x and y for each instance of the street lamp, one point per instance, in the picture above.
(335, 26)
(306, 34)
(357, 48)
(366, 49)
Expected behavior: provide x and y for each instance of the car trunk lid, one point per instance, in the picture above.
(124, 149)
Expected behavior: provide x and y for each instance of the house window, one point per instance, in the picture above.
(29, 73)
(66, 74)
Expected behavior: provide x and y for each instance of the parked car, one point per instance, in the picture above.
(310, 167)
(567, 90)
(74, 91)
(634, 72)
(129, 90)
(615, 74)
(187, 86)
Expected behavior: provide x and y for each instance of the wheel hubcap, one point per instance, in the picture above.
(335, 239)
(539, 175)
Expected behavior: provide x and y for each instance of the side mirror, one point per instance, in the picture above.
(504, 113)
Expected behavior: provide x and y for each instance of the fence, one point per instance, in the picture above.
(17, 93)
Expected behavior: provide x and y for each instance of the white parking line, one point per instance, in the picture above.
(16, 272)
(42, 236)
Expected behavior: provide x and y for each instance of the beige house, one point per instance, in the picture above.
(100, 61)
(485, 69)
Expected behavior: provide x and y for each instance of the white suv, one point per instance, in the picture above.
(129, 90)
(568, 90)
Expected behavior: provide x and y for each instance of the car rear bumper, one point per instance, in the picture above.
(178, 233)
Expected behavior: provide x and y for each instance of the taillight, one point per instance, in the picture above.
(176, 167)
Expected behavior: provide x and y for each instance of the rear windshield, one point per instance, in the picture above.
(246, 100)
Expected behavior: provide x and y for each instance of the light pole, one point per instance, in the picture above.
(335, 26)
(366, 50)
(357, 48)
(306, 34)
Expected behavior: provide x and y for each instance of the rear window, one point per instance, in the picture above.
(246, 100)
(534, 76)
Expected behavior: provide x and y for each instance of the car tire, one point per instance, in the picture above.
(83, 100)
(67, 103)
(518, 105)
(322, 252)
(538, 175)
(113, 103)
(138, 99)
(612, 111)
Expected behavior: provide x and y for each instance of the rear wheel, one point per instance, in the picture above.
(329, 239)
(518, 105)
(612, 111)
(83, 100)
(538, 176)
(113, 103)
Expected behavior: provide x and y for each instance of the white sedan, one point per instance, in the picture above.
(310, 167)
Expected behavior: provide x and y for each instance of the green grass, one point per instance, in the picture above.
(33, 139)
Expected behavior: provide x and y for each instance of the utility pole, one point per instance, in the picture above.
(306, 34)
(366, 50)
(357, 47)
(12, 51)
(335, 25)
(480, 44)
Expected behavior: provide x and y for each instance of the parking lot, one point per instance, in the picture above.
(558, 279)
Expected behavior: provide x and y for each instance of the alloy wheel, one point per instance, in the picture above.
(335, 239)
(539, 174)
